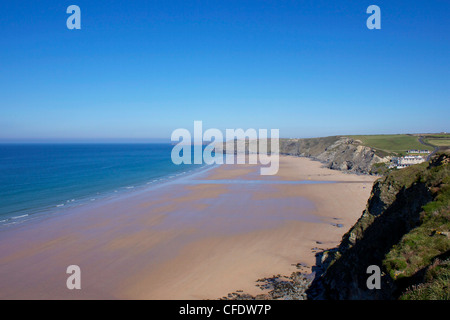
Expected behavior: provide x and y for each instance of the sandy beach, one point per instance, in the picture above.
(197, 237)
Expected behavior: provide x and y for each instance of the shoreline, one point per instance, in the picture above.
(190, 241)
(112, 194)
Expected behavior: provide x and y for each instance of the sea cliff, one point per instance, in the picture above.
(340, 153)
(335, 152)
(405, 230)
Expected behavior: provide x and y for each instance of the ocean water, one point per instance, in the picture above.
(38, 178)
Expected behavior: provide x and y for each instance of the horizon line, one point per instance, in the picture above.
(165, 140)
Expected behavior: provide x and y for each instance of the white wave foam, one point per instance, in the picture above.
(18, 217)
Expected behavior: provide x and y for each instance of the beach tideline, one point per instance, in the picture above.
(192, 238)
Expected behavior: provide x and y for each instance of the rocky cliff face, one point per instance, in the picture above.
(394, 232)
(338, 153)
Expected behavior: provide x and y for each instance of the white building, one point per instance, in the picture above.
(418, 151)
(406, 161)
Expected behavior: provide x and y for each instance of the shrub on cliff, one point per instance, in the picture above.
(406, 230)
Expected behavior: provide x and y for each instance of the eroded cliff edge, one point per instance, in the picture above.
(405, 230)
(335, 152)
(340, 153)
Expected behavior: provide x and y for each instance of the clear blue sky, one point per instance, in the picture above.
(140, 69)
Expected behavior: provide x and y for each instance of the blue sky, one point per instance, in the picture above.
(141, 69)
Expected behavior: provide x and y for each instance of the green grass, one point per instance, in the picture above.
(438, 142)
(436, 287)
(419, 249)
(439, 136)
(380, 169)
(391, 143)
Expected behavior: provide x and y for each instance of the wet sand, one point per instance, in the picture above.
(197, 237)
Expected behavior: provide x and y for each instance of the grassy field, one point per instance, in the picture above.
(392, 143)
(438, 140)
(439, 135)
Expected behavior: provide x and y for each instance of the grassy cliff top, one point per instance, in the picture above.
(390, 144)
(405, 228)
(423, 255)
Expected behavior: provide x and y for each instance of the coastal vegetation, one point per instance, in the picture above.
(438, 140)
(405, 229)
(423, 255)
(392, 144)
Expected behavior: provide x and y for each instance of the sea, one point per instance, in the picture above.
(46, 178)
